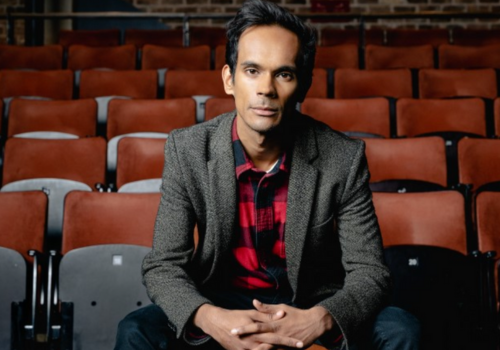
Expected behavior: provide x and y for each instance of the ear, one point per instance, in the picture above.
(227, 79)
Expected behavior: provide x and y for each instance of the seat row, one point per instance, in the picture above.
(135, 164)
(214, 36)
(128, 57)
(361, 117)
(340, 83)
(96, 275)
(198, 35)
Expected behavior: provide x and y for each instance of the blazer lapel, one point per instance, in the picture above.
(301, 190)
(222, 187)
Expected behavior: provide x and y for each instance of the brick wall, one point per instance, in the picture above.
(19, 30)
(357, 6)
(300, 6)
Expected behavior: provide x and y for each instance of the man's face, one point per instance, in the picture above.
(265, 83)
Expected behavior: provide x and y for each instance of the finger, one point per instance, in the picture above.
(278, 340)
(256, 327)
(275, 311)
(258, 316)
(263, 346)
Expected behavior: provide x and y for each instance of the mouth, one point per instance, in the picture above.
(264, 111)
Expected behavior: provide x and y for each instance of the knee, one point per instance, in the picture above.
(145, 328)
(129, 328)
(398, 327)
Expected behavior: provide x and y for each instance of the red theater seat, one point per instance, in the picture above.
(101, 37)
(82, 57)
(54, 84)
(423, 116)
(160, 37)
(384, 57)
(444, 83)
(353, 83)
(131, 83)
(469, 57)
(130, 116)
(75, 117)
(47, 57)
(191, 58)
(357, 117)
(337, 56)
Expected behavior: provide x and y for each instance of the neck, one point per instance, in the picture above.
(264, 149)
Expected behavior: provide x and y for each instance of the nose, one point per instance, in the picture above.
(266, 86)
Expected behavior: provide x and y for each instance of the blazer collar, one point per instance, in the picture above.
(301, 194)
(222, 187)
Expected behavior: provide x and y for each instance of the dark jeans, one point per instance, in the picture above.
(146, 328)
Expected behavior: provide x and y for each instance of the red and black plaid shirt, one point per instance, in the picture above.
(259, 253)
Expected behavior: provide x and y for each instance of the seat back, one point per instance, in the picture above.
(335, 36)
(100, 37)
(440, 287)
(423, 116)
(82, 160)
(130, 116)
(469, 57)
(139, 159)
(190, 58)
(193, 83)
(220, 56)
(478, 161)
(47, 57)
(496, 117)
(75, 117)
(424, 218)
(211, 36)
(54, 84)
(353, 116)
(160, 37)
(98, 287)
(319, 86)
(121, 57)
(487, 220)
(417, 37)
(444, 83)
(135, 84)
(216, 106)
(384, 57)
(352, 83)
(337, 56)
(418, 159)
(95, 218)
(14, 273)
(22, 223)
(475, 37)
(23, 218)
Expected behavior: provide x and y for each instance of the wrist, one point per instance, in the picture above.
(202, 316)
(325, 319)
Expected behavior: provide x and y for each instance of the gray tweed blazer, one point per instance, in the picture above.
(333, 245)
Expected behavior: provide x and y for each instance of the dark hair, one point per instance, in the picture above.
(261, 13)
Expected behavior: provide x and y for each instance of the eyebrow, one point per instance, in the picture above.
(284, 68)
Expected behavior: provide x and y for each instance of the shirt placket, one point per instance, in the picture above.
(264, 225)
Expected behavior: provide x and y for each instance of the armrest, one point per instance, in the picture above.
(33, 296)
(52, 330)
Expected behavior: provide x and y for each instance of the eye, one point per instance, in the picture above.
(285, 76)
(251, 71)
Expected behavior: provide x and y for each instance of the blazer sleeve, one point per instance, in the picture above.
(367, 281)
(166, 268)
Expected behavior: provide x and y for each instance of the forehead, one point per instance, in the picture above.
(272, 45)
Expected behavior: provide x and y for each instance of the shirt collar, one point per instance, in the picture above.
(243, 163)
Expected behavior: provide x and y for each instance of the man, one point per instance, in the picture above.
(289, 249)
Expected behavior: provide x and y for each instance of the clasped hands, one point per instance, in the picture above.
(265, 328)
